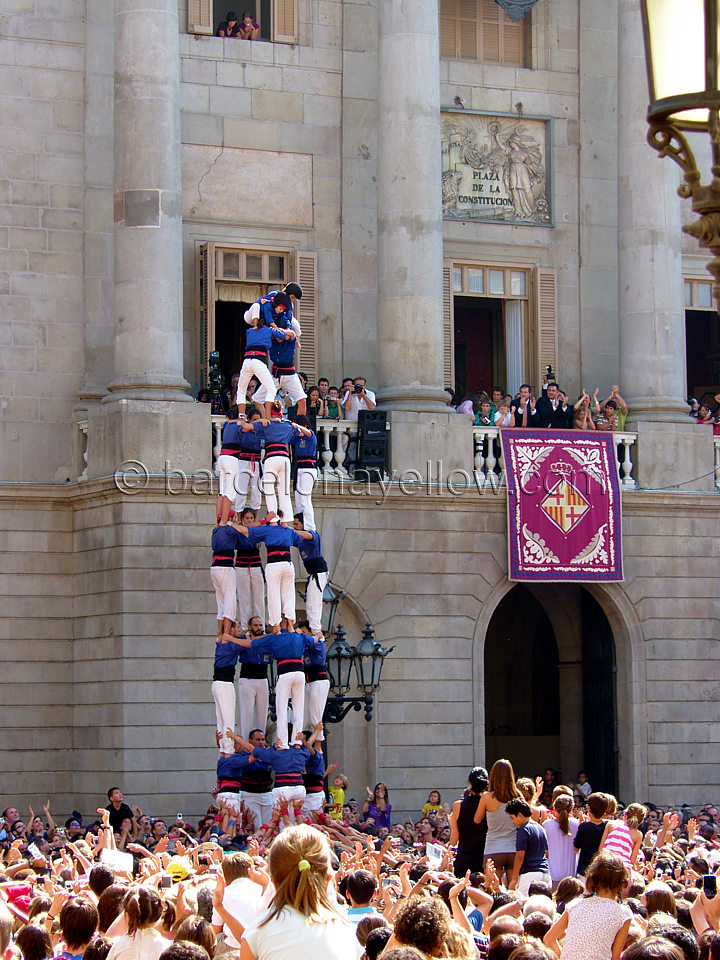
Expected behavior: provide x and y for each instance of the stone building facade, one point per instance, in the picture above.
(155, 177)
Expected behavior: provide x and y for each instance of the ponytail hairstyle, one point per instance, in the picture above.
(634, 815)
(143, 908)
(299, 862)
(276, 409)
(563, 806)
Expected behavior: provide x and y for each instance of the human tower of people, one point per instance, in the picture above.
(289, 776)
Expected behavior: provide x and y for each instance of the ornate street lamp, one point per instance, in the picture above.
(369, 657)
(340, 657)
(681, 50)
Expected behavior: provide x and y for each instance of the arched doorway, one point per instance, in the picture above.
(550, 684)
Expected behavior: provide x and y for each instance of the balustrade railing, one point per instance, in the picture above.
(488, 460)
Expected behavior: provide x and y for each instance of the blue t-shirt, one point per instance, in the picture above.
(531, 838)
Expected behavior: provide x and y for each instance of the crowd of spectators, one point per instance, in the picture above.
(586, 878)
(707, 412)
(552, 410)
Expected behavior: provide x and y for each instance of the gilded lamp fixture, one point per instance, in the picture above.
(681, 49)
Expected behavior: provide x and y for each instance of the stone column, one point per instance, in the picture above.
(652, 320)
(410, 246)
(410, 325)
(141, 419)
(147, 202)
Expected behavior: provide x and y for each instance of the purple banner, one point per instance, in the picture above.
(564, 506)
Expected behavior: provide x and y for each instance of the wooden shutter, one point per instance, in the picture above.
(503, 40)
(448, 326)
(546, 312)
(200, 17)
(448, 29)
(307, 312)
(468, 29)
(284, 21)
(205, 273)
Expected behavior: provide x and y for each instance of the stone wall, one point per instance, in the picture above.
(109, 679)
(42, 171)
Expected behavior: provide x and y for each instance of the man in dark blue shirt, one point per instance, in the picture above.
(531, 843)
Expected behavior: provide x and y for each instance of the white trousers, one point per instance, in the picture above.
(316, 694)
(291, 385)
(304, 483)
(227, 468)
(253, 705)
(287, 797)
(314, 601)
(280, 580)
(525, 879)
(259, 805)
(255, 367)
(223, 693)
(313, 801)
(223, 580)
(290, 686)
(231, 801)
(276, 486)
(247, 481)
(250, 594)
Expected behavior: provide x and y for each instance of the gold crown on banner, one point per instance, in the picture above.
(565, 468)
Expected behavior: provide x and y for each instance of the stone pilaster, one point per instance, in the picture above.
(139, 421)
(410, 330)
(147, 203)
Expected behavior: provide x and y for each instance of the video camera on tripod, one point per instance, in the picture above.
(216, 384)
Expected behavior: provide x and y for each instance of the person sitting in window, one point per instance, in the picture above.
(229, 26)
(249, 30)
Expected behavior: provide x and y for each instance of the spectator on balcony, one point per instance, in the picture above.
(314, 402)
(524, 408)
(229, 26)
(620, 407)
(583, 413)
(606, 418)
(498, 395)
(483, 418)
(469, 404)
(323, 387)
(503, 416)
(549, 408)
(330, 406)
(249, 30)
(567, 410)
(357, 399)
(704, 415)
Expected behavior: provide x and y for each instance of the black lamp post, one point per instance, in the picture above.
(681, 50)
(367, 659)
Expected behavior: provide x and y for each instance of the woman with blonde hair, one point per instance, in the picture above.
(500, 842)
(303, 920)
